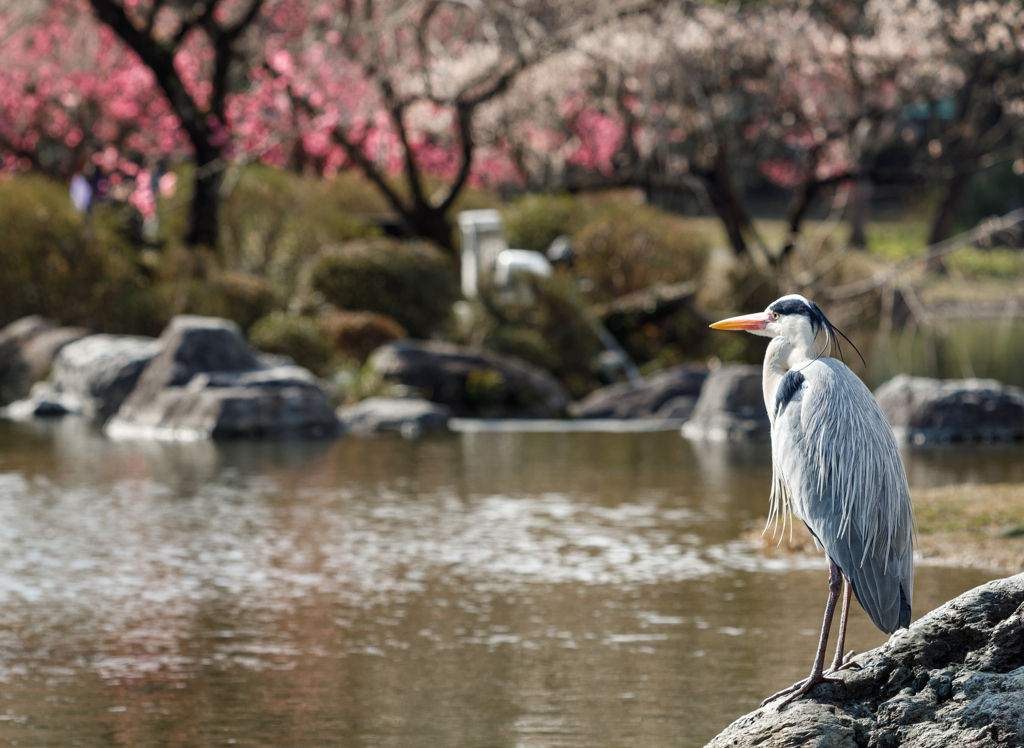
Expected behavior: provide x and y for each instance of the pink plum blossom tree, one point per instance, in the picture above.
(192, 51)
(427, 96)
(395, 87)
(701, 98)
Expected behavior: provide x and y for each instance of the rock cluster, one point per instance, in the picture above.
(955, 678)
(410, 416)
(27, 348)
(671, 393)
(200, 379)
(470, 381)
(731, 406)
(207, 383)
(924, 410)
(91, 376)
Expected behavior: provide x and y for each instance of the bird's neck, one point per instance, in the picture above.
(781, 356)
(776, 364)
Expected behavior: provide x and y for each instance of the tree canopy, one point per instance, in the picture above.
(696, 98)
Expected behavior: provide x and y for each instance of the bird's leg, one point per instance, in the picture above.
(798, 689)
(840, 662)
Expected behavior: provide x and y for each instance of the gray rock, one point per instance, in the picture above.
(91, 376)
(647, 398)
(26, 328)
(41, 349)
(955, 678)
(470, 381)
(206, 383)
(923, 410)
(730, 407)
(408, 415)
(16, 375)
(43, 402)
(678, 408)
(27, 351)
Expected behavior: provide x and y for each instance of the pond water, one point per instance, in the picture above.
(460, 590)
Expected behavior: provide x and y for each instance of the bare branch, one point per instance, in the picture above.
(988, 227)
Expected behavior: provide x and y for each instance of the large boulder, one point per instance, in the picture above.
(27, 349)
(206, 383)
(955, 678)
(41, 350)
(671, 393)
(470, 381)
(90, 376)
(923, 410)
(409, 416)
(730, 407)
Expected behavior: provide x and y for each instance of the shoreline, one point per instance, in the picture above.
(963, 526)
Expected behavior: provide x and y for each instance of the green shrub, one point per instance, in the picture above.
(276, 220)
(61, 264)
(354, 194)
(413, 282)
(550, 330)
(357, 334)
(534, 221)
(294, 336)
(627, 248)
(242, 297)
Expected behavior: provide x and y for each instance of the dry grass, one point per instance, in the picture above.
(978, 526)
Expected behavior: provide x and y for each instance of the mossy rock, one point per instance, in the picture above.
(527, 343)
(411, 281)
(485, 388)
(294, 336)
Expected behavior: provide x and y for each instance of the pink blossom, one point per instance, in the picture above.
(168, 184)
(142, 196)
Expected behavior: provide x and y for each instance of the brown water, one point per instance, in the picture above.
(476, 590)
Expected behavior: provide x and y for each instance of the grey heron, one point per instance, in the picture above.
(836, 467)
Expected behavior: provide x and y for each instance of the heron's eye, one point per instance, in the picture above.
(775, 315)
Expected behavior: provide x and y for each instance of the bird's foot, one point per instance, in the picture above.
(799, 688)
(847, 663)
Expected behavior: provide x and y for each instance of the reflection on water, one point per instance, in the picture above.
(482, 589)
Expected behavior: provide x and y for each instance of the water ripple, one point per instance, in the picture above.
(136, 561)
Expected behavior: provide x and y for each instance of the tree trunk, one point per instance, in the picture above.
(798, 210)
(860, 209)
(727, 203)
(159, 57)
(430, 223)
(729, 209)
(942, 226)
(204, 221)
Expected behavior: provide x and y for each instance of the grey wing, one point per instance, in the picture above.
(836, 457)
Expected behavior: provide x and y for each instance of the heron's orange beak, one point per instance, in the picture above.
(747, 322)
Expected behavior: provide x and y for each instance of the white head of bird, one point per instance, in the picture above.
(796, 322)
(800, 332)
